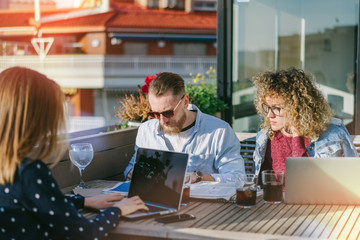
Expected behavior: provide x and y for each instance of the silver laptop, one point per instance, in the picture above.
(158, 179)
(322, 180)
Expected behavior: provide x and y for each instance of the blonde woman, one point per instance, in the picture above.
(297, 121)
(31, 203)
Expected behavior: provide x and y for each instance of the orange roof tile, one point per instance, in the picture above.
(163, 20)
(130, 15)
(20, 18)
(90, 20)
(125, 15)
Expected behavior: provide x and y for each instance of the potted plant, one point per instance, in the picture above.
(202, 92)
(133, 108)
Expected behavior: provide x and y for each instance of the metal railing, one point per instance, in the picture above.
(110, 71)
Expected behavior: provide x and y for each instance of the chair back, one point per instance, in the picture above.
(246, 151)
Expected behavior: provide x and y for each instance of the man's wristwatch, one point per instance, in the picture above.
(199, 176)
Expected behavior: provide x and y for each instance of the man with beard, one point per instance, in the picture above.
(179, 126)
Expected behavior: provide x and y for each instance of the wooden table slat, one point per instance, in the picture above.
(258, 213)
(263, 218)
(225, 218)
(230, 219)
(325, 221)
(332, 223)
(231, 216)
(211, 214)
(215, 221)
(195, 207)
(243, 217)
(301, 215)
(350, 223)
(354, 234)
(342, 221)
(272, 225)
(203, 212)
(307, 221)
(219, 220)
(290, 219)
(316, 221)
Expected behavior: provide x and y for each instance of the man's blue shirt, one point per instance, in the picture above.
(213, 146)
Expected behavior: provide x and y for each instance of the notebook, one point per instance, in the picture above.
(322, 180)
(158, 179)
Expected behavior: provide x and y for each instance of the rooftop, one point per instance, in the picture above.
(123, 16)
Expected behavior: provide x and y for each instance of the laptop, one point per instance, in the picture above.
(333, 181)
(158, 179)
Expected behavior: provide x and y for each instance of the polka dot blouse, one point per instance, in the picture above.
(33, 207)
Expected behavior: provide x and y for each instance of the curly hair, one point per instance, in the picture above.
(305, 107)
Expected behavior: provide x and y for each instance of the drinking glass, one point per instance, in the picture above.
(81, 155)
(246, 186)
(273, 182)
(186, 190)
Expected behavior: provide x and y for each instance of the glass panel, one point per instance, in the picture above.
(316, 35)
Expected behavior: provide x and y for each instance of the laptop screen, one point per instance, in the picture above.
(158, 176)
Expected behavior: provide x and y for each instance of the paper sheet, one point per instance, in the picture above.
(213, 190)
(121, 187)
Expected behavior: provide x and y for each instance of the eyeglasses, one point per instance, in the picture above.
(274, 110)
(167, 114)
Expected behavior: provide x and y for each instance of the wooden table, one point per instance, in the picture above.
(223, 220)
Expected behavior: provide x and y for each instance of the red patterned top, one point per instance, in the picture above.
(283, 147)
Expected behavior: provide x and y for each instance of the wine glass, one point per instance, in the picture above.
(81, 155)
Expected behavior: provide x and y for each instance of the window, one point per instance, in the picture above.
(190, 49)
(131, 48)
(205, 5)
(316, 35)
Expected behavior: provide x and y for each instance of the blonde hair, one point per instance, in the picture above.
(31, 115)
(306, 108)
(165, 81)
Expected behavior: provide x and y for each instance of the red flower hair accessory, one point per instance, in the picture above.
(148, 79)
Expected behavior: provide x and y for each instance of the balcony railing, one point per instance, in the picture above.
(99, 71)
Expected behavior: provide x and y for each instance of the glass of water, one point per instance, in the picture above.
(81, 155)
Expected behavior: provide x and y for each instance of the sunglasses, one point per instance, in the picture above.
(167, 114)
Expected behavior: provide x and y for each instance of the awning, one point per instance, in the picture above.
(164, 37)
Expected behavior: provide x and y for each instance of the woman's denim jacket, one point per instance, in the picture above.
(334, 142)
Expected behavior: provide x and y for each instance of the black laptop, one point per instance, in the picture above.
(158, 179)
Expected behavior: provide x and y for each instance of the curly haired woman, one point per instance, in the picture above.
(297, 121)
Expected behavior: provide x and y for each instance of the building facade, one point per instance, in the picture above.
(108, 48)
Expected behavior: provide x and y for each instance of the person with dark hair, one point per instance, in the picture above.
(180, 126)
(31, 204)
(297, 121)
